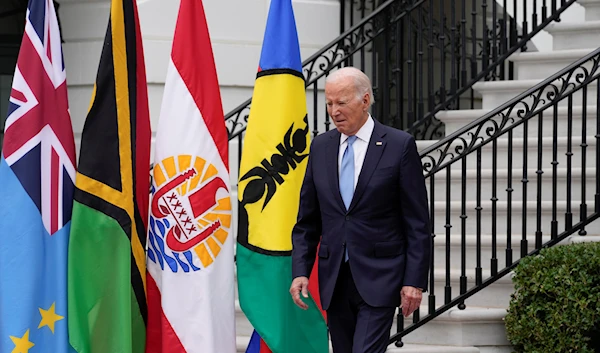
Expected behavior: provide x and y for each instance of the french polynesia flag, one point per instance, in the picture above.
(191, 305)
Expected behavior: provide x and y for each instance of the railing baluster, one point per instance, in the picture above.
(495, 34)
(410, 74)
(397, 72)
(597, 198)
(385, 85)
(463, 46)
(399, 326)
(494, 199)
(430, 61)
(513, 38)
(554, 222)
(240, 138)
(442, 46)
(484, 42)
(363, 8)
(524, 181)
(539, 172)
(416, 315)
(569, 154)
(473, 49)
(474, 40)
(503, 39)
(351, 13)
(509, 191)
(431, 303)
(584, 146)
(350, 60)
(421, 86)
(374, 80)
(448, 226)
(525, 24)
(478, 208)
(327, 118)
(545, 11)
(534, 16)
(342, 16)
(316, 109)
(463, 233)
(453, 60)
(401, 106)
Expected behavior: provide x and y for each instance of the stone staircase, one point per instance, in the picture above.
(480, 327)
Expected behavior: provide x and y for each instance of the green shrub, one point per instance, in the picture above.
(556, 304)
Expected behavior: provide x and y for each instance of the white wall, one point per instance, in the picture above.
(236, 28)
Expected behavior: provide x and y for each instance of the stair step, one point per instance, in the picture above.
(470, 327)
(592, 9)
(585, 239)
(574, 35)
(501, 215)
(430, 337)
(540, 65)
(439, 255)
(454, 120)
(242, 344)
(486, 187)
(518, 145)
(496, 93)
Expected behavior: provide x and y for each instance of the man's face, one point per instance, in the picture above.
(346, 109)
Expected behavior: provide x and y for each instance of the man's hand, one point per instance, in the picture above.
(299, 284)
(411, 299)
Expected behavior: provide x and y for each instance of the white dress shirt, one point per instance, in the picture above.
(360, 147)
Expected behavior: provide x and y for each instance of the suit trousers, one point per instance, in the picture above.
(355, 326)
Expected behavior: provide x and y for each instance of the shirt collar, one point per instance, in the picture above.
(364, 133)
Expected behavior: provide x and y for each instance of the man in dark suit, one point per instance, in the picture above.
(364, 198)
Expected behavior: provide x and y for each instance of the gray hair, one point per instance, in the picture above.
(362, 83)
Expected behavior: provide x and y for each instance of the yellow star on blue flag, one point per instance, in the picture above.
(22, 345)
(49, 317)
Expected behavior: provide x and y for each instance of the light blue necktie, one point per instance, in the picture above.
(347, 176)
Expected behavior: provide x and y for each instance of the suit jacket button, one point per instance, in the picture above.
(347, 218)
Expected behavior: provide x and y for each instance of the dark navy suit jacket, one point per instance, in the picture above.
(386, 227)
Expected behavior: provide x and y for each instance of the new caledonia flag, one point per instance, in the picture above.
(274, 159)
(37, 173)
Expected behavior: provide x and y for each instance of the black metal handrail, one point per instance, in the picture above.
(560, 109)
(423, 56)
(334, 55)
(352, 11)
(495, 64)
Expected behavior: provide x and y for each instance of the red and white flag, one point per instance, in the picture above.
(190, 246)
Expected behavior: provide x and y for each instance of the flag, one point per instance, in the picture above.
(274, 159)
(107, 260)
(37, 173)
(191, 305)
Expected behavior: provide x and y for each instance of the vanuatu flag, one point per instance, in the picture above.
(274, 160)
(106, 266)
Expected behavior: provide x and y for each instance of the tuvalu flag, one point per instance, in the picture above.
(37, 173)
(107, 260)
(191, 306)
(274, 159)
